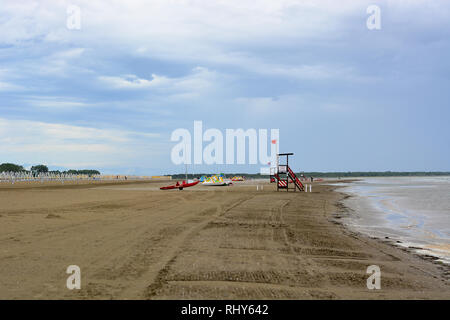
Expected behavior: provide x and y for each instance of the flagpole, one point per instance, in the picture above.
(185, 162)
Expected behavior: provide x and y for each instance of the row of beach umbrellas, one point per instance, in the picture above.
(44, 176)
(13, 177)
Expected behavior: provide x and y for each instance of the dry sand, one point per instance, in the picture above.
(133, 241)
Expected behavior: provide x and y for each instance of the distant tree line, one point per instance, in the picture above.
(11, 167)
(349, 174)
(89, 172)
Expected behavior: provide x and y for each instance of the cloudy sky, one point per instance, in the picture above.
(109, 95)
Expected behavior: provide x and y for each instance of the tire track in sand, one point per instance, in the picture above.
(147, 285)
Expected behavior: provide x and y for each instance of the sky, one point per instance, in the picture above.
(108, 95)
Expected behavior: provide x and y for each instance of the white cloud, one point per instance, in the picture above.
(199, 79)
(55, 102)
(180, 30)
(291, 104)
(58, 148)
(264, 107)
(55, 143)
(229, 32)
(131, 81)
(6, 82)
(68, 54)
(61, 63)
(5, 86)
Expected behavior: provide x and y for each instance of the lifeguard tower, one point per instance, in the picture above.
(284, 176)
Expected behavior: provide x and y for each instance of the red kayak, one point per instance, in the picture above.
(181, 185)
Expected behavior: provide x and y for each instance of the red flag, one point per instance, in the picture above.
(274, 141)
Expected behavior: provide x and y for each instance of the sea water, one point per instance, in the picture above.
(414, 211)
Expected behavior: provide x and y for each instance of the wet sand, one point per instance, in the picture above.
(133, 241)
(412, 211)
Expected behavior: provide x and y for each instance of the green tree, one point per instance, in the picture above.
(10, 167)
(39, 168)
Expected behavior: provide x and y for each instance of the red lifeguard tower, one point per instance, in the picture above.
(284, 176)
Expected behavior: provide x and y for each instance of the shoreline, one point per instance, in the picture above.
(436, 252)
(391, 241)
(134, 241)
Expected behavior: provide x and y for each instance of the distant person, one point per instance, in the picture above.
(312, 179)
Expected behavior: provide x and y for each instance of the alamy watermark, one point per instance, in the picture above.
(73, 21)
(374, 20)
(374, 281)
(232, 149)
(74, 280)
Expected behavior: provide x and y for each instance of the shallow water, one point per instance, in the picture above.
(413, 210)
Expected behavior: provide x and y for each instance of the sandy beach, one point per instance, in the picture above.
(133, 241)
